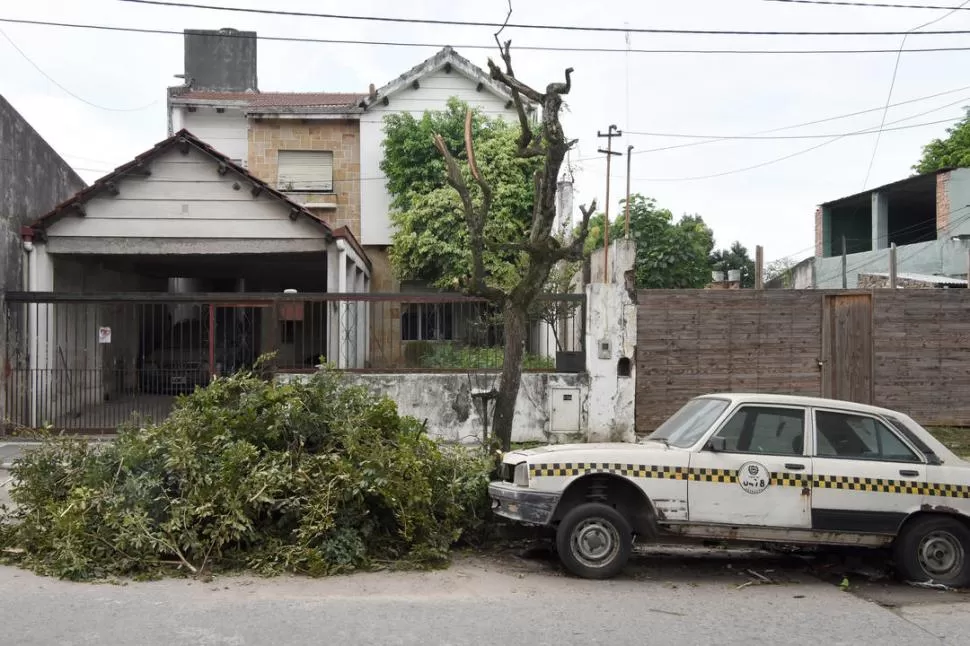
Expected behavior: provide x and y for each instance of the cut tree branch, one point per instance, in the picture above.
(528, 146)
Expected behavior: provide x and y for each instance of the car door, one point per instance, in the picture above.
(753, 470)
(868, 478)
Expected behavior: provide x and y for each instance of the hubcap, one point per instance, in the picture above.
(941, 554)
(595, 542)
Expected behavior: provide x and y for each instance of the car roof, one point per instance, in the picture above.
(799, 400)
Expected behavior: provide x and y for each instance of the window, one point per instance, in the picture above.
(687, 425)
(839, 435)
(765, 430)
(305, 170)
(427, 322)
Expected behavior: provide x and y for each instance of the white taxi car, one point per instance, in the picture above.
(756, 469)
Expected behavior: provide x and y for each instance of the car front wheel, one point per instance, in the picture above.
(934, 549)
(594, 541)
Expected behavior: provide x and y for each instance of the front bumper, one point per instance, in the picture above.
(521, 504)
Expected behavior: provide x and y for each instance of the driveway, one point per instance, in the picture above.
(666, 598)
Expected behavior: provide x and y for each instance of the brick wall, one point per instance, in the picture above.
(942, 201)
(267, 137)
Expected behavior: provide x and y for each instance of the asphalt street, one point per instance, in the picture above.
(670, 599)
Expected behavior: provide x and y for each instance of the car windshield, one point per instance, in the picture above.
(688, 424)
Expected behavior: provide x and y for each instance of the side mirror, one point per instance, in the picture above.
(717, 444)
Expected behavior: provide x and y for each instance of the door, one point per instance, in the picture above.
(754, 471)
(867, 477)
(847, 347)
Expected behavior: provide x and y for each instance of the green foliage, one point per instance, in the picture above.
(954, 151)
(456, 356)
(312, 477)
(670, 254)
(735, 258)
(430, 242)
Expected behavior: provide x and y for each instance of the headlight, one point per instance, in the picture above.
(521, 477)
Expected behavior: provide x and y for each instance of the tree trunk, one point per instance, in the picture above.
(515, 321)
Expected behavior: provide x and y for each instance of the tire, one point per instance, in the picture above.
(934, 548)
(594, 541)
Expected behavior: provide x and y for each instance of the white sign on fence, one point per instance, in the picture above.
(104, 335)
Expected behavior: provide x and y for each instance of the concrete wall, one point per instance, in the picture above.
(433, 94)
(33, 179)
(446, 401)
(947, 257)
(958, 201)
(220, 59)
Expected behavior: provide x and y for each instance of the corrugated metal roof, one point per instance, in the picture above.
(922, 278)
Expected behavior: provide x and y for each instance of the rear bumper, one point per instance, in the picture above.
(521, 504)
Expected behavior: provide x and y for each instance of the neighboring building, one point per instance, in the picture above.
(33, 178)
(799, 276)
(926, 216)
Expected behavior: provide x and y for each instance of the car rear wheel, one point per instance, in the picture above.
(594, 541)
(934, 549)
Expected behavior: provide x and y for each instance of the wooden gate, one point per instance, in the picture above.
(847, 350)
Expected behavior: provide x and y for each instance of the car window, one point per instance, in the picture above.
(840, 435)
(765, 430)
(686, 426)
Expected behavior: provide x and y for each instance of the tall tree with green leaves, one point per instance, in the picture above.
(507, 248)
(953, 151)
(735, 258)
(670, 255)
(431, 237)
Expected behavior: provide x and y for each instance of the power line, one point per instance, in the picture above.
(805, 123)
(892, 83)
(472, 23)
(773, 137)
(64, 89)
(528, 48)
(877, 5)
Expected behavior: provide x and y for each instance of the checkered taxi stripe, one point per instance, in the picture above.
(778, 478)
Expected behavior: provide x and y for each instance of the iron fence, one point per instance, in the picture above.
(88, 362)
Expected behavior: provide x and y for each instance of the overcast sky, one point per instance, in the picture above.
(697, 94)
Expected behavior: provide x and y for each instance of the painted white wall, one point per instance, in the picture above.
(184, 197)
(433, 94)
(227, 132)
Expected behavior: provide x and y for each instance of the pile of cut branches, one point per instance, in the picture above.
(314, 477)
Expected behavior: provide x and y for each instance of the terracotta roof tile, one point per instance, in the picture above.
(276, 99)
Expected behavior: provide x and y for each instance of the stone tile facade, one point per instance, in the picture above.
(268, 136)
(872, 281)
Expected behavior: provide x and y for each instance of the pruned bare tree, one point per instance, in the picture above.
(541, 249)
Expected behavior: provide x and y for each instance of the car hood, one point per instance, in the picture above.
(567, 451)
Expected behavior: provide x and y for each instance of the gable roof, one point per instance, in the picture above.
(447, 57)
(39, 227)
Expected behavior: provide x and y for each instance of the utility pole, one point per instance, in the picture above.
(844, 281)
(892, 265)
(759, 267)
(611, 132)
(629, 157)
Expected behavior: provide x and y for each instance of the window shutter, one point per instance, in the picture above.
(306, 170)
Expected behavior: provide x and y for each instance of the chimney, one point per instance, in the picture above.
(220, 59)
(372, 91)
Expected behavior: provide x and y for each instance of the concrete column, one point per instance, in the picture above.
(40, 278)
(361, 315)
(880, 221)
(333, 309)
(342, 309)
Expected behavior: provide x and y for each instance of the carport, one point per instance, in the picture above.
(180, 258)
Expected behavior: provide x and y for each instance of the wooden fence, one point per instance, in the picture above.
(903, 349)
